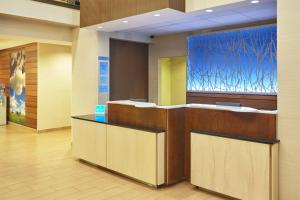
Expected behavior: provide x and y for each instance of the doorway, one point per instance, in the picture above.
(172, 85)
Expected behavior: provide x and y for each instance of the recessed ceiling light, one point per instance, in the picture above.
(209, 10)
(156, 15)
(125, 22)
(255, 1)
(100, 27)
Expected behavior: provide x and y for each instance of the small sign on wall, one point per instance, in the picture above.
(103, 74)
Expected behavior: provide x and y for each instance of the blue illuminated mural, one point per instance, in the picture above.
(237, 61)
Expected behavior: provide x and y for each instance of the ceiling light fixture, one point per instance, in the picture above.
(100, 27)
(156, 15)
(209, 10)
(125, 22)
(255, 1)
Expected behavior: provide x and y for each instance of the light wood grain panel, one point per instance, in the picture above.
(236, 168)
(134, 153)
(160, 159)
(89, 141)
(275, 171)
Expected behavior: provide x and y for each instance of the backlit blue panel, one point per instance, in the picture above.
(100, 118)
(103, 68)
(103, 88)
(104, 58)
(103, 80)
(100, 109)
(238, 61)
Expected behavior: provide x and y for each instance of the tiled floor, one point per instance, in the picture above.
(41, 166)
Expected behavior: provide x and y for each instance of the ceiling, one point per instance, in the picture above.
(172, 21)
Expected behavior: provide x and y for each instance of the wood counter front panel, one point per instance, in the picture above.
(98, 11)
(169, 120)
(152, 118)
(175, 145)
(236, 168)
(251, 125)
(264, 102)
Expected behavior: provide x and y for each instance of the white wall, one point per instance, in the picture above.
(164, 46)
(12, 27)
(54, 86)
(85, 71)
(40, 11)
(289, 98)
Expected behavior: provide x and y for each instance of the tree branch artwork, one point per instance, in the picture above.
(237, 61)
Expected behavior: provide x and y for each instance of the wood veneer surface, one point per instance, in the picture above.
(169, 120)
(128, 70)
(31, 79)
(267, 102)
(99, 11)
(250, 125)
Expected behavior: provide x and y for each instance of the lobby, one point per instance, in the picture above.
(164, 99)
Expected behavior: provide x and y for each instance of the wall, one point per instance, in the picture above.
(165, 81)
(193, 5)
(172, 81)
(85, 71)
(163, 46)
(54, 88)
(13, 27)
(104, 49)
(178, 84)
(30, 80)
(289, 98)
(40, 11)
(128, 70)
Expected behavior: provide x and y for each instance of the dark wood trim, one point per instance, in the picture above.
(267, 102)
(58, 3)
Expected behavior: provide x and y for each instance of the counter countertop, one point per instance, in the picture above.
(102, 119)
(201, 106)
(238, 137)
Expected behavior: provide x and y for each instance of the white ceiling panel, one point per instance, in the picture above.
(171, 21)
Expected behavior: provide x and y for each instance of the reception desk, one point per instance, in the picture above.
(240, 168)
(132, 127)
(134, 152)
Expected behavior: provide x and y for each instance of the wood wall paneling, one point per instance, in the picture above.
(99, 11)
(128, 70)
(266, 102)
(152, 118)
(31, 79)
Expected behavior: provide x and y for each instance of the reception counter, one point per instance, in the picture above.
(132, 151)
(130, 127)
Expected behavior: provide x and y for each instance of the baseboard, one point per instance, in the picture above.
(53, 129)
(20, 125)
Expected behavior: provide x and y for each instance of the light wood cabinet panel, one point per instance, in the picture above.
(135, 153)
(237, 168)
(89, 141)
